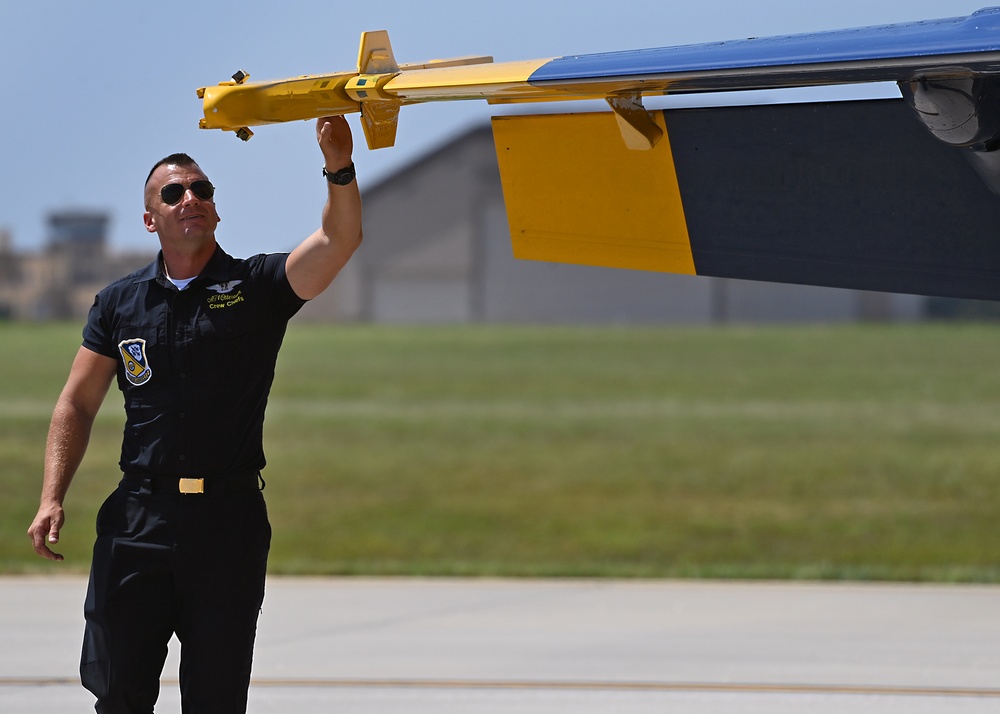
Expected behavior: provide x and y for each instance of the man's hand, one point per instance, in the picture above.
(45, 529)
(335, 141)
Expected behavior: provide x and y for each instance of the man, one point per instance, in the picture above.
(182, 543)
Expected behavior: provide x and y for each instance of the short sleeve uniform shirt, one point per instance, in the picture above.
(195, 366)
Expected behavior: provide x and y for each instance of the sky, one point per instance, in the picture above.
(94, 93)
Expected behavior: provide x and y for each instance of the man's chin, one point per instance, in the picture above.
(198, 232)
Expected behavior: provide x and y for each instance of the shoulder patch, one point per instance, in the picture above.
(137, 369)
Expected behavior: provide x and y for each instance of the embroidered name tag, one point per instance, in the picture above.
(226, 295)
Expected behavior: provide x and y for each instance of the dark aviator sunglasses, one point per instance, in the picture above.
(174, 192)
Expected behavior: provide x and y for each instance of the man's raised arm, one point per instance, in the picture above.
(313, 265)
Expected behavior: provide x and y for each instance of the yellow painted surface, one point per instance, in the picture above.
(476, 81)
(379, 78)
(230, 106)
(507, 82)
(575, 194)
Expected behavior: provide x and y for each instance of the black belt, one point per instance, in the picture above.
(198, 485)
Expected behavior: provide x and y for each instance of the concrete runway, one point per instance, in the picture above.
(384, 646)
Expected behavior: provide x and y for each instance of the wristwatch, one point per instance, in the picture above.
(342, 177)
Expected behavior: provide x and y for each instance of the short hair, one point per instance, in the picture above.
(179, 159)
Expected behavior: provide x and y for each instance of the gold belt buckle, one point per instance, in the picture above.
(191, 485)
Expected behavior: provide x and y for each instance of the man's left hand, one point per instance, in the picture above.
(335, 141)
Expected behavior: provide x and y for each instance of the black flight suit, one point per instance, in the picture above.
(195, 367)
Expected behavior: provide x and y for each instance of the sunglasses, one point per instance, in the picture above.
(174, 192)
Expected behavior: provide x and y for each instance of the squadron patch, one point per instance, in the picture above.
(137, 370)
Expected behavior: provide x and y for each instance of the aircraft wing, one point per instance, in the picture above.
(900, 199)
(947, 48)
(956, 47)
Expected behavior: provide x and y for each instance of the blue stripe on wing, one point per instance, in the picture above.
(977, 33)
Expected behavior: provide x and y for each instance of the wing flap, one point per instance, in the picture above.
(576, 194)
(853, 195)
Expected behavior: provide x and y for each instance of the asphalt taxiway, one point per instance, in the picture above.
(455, 645)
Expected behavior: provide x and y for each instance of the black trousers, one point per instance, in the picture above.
(169, 563)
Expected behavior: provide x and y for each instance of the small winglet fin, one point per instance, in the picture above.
(375, 54)
(376, 66)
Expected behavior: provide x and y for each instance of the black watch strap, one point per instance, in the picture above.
(342, 177)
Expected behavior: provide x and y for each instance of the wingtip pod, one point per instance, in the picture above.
(237, 105)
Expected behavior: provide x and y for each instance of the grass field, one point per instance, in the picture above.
(856, 452)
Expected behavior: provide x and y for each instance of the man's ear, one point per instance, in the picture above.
(147, 218)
